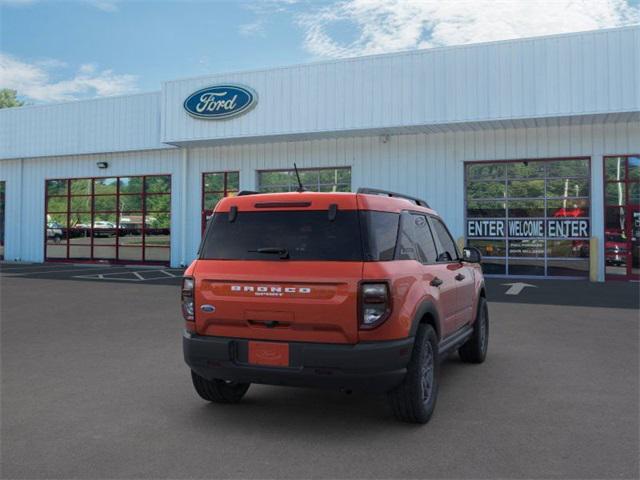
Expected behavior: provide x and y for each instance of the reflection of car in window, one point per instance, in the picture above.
(102, 228)
(54, 232)
(615, 248)
(569, 212)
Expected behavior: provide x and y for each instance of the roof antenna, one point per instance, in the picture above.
(300, 186)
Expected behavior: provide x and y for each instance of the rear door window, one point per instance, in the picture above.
(415, 241)
(447, 250)
(425, 239)
(304, 235)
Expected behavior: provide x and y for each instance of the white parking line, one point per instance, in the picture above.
(34, 271)
(139, 277)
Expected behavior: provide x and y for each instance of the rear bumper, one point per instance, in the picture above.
(371, 367)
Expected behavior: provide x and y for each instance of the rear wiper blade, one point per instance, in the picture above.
(283, 252)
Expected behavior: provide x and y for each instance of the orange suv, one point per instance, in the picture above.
(352, 291)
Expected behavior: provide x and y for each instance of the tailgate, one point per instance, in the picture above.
(302, 301)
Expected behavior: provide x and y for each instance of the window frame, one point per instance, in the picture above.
(225, 193)
(627, 181)
(291, 173)
(546, 177)
(144, 246)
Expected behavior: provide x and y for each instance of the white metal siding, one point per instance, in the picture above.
(558, 76)
(25, 197)
(11, 174)
(113, 124)
(426, 165)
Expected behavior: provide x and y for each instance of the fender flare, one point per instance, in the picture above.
(426, 307)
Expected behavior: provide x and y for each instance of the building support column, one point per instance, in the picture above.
(184, 200)
(597, 213)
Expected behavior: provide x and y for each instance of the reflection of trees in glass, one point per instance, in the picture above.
(568, 188)
(318, 180)
(485, 189)
(105, 185)
(486, 209)
(526, 208)
(158, 184)
(57, 204)
(105, 203)
(568, 168)
(158, 220)
(81, 186)
(130, 203)
(131, 184)
(486, 171)
(158, 203)
(528, 169)
(525, 188)
(634, 168)
(615, 193)
(56, 187)
(614, 168)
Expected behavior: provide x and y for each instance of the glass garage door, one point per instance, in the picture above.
(530, 218)
(622, 217)
(116, 219)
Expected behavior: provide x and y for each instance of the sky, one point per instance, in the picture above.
(54, 50)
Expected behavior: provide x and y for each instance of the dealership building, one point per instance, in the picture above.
(529, 149)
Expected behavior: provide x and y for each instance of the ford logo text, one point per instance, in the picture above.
(220, 102)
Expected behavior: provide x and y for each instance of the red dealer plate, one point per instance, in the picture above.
(269, 354)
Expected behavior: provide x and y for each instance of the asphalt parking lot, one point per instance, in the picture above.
(94, 386)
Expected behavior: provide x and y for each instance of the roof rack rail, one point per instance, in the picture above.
(242, 193)
(375, 191)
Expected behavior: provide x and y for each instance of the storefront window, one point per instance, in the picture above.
(123, 219)
(622, 217)
(317, 180)
(216, 186)
(530, 218)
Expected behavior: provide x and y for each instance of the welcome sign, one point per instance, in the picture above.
(528, 228)
(220, 102)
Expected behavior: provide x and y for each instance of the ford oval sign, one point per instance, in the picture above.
(220, 102)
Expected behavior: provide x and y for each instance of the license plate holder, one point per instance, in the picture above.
(269, 354)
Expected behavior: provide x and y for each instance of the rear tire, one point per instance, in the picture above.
(414, 400)
(219, 391)
(475, 349)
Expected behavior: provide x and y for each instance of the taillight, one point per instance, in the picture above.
(187, 298)
(375, 304)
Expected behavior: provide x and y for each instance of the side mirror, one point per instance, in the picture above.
(471, 255)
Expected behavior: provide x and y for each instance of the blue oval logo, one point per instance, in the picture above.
(220, 101)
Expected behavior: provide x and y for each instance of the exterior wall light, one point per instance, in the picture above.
(102, 164)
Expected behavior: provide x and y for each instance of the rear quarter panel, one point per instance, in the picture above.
(408, 283)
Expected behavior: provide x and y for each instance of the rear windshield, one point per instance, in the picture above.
(301, 235)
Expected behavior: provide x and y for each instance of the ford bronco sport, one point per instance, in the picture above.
(353, 291)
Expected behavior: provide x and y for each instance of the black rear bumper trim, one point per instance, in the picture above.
(370, 366)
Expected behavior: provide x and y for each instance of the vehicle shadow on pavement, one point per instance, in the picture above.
(277, 410)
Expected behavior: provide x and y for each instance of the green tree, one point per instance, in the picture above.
(8, 98)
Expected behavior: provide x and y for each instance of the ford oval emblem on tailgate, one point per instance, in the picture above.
(208, 308)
